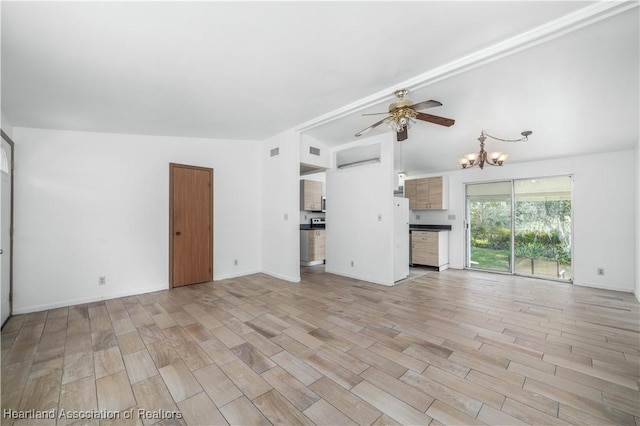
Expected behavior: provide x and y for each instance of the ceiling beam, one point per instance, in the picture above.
(541, 34)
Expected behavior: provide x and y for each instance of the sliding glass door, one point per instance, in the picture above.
(543, 227)
(489, 226)
(521, 226)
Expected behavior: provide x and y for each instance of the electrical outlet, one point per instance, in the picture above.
(417, 217)
(286, 216)
(352, 263)
(451, 217)
(102, 280)
(600, 271)
(235, 262)
(379, 217)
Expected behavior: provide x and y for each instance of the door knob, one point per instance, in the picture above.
(178, 233)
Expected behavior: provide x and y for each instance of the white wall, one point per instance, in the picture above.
(354, 233)
(323, 160)
(95, 204)
(604, 193)
(280, 206)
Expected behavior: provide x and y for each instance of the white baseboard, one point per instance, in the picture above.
(360, 278)
(603, 287)
(81, 301)
(282, 277)
(235, 275)
(73, 302)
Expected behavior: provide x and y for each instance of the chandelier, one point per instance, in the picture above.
(496, 158)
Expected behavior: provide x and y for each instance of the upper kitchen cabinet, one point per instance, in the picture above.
(310, 195)
(430, 193)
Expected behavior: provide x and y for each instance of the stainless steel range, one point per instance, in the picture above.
(318, 222)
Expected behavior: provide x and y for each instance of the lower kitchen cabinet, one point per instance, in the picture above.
(312, 247)
(430, 248)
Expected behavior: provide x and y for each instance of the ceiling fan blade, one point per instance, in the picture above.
(426, 104)
(402, 134)
(373, 126)
(435, 119)
(376, 113)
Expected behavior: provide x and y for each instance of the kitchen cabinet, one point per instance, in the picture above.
(430, 193)
(411, 192)
(430, 248)
(310, 195)
(312, 246)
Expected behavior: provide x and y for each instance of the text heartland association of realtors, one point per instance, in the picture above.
(138, 413)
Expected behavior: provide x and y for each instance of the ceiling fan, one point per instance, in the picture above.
(403, 113)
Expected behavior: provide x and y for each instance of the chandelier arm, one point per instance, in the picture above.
(523, 139)
(477, 163)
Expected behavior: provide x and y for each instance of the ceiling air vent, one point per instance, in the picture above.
(313, 150)
(275, 151)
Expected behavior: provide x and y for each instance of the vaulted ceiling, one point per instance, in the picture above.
(248, 70)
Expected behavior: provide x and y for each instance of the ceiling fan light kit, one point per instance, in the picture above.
(495, 158)
(403, 114)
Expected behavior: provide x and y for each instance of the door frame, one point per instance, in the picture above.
(11, 162)
(172, 167)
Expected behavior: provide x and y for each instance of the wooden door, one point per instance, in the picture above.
(190, 225)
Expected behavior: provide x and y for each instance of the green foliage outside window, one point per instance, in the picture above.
(543, 228)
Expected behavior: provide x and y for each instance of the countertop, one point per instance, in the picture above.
(431, 228)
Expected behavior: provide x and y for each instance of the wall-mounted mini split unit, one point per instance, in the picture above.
(358, 156)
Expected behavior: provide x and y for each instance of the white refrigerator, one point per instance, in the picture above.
(400, 238)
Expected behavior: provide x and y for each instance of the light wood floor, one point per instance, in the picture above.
(455, 347)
